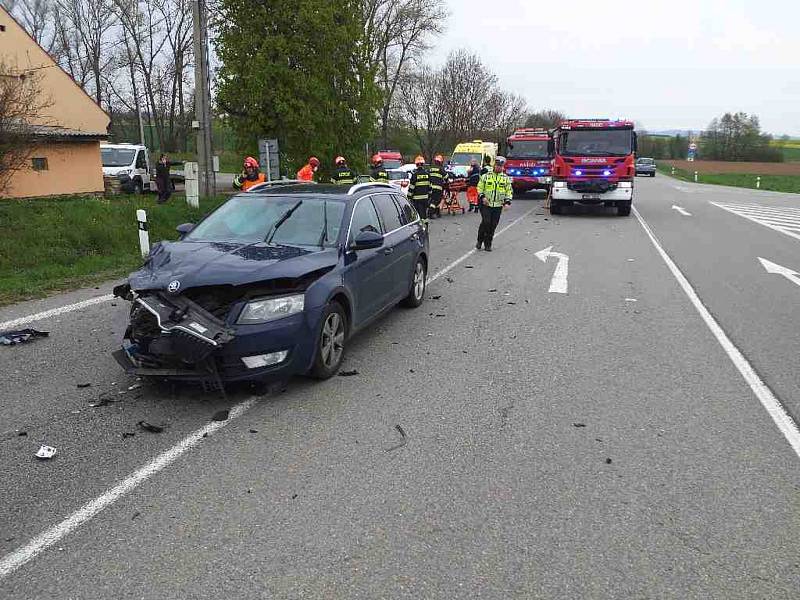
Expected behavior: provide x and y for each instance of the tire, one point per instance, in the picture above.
(624, 208)
(138, 188)
(416, 293)
(331, 339)
(555, 207)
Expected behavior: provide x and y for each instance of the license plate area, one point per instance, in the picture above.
(591, 197)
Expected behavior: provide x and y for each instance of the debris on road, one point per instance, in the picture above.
(20, 336)
(468, 267)
(608, 461)
(135, 386)
(450, 280)
(411, 370)
(352, 373)
(221, 415)
(434, 297)
(254, 431)
(294, 496)
(104, 400)
(127, 434)
(150, 427)
(631, 300)
(579, 424)
(440, 315)
(22, 433)
(136, 514)
(492, 291)
(511, 303)
(402, 442)
(84, 385)
(46, 452)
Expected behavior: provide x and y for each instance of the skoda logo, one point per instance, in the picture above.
(174, 286)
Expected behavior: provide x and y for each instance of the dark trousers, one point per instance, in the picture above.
(490, 217)
(436, 199)
(422, 207)
(164, 190)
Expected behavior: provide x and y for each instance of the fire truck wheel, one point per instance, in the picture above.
(624, 208)
(555, 207)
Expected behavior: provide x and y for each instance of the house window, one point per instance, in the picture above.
(39, 164)
(2, 28)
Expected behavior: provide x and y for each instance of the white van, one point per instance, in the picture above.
(129, 162)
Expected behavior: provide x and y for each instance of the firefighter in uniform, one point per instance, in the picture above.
(249, 176)
(343, 174)
(438, 175)
(378, 173)
(309, 170)
(419, 188)
(494, 192)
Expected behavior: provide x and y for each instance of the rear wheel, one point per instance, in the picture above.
(138, 188)
(555, 207)
(624, 208)
(330, 342)
(418, 282)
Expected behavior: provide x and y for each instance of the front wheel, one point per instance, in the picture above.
(555, 207)
(330, 342)
(418, 282)
(624, 208)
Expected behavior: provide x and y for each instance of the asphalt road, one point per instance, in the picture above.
(594, 444)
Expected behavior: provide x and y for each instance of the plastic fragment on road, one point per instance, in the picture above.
(20, 336)
(352, 373)
(631, 300)
(579, 424)
(403, 440)
(45, 452)
(84, 385)
(221, 415)
(150, 427)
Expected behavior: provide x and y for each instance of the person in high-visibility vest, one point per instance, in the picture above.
(308, 171)
(473, 177)
(437, 174)
(494, 193)
(378, 173)
(419, 188)
(250, 176)
(343, 174)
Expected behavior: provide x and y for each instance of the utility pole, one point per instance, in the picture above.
(202, 101)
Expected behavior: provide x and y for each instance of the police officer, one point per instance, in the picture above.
(343, 174)
(438, 176)
(378, 173)
(494, 192)
(419, 188)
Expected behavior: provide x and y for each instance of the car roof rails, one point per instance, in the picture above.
(276, 182)
(361, 186)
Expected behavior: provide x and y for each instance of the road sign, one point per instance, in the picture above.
(269, 158)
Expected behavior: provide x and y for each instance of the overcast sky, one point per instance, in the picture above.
(667, 64)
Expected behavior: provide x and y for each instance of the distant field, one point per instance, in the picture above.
(790, 149)
(717, 166)
(775, 183)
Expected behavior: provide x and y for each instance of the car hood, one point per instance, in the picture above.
(195, 264)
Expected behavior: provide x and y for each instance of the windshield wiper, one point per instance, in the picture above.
(281, 221)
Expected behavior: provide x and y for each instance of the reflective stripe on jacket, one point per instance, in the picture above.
(496, 187)
(419, 188)
(344, 176)
(380, 174)
(437, 178)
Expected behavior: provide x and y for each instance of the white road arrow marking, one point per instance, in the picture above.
(683, 211)
(777, 269)
(558, 285)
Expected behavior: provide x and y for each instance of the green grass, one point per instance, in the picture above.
(50, 245)
(790, 154)
(775, 183)
(230, 161)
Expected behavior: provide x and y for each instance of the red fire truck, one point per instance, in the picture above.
(593, 163)
(528, 160)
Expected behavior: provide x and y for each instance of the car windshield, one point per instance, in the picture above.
(251, 218)
(392, 163)
(464, 159)
(117, 157)
(645, 161)
(398, 175)
(528, 149)
(596, 142)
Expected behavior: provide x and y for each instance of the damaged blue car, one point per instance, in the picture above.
(273, 283)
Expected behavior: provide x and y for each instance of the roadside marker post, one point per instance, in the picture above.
(673, 170)
(144, 235)
(758, 182)
(695, 176)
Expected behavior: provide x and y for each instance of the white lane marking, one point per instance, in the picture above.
(777, 269)
(558, 284)
(14, 560)
(681, 210)
(756, 214)
(774, 408)
(458, 261)
(54, 312)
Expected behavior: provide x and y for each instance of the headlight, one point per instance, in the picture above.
(271, 309)
(625, 184)
(559, 184)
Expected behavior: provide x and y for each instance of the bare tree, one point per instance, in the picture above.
(36, 16)
(546, 119)
(397, 32)
(22, 105)
(505, 112)
(418, 108)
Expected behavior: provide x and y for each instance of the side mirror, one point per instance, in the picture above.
(184, 228)
(551, 147)
(367, 240)
(635, 142)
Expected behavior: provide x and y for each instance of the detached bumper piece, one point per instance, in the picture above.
(172, 337)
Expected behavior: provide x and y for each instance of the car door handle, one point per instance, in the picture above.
(388, 250)
(415, 237)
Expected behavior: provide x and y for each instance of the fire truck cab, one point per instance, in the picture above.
(528, 160)
(593, 163)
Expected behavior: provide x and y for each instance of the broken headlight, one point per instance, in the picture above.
(271, 309)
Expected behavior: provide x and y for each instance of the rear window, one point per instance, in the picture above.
(392, 163)
(646, 161)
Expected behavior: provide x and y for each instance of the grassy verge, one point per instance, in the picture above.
(49, 245)
(775, 183)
